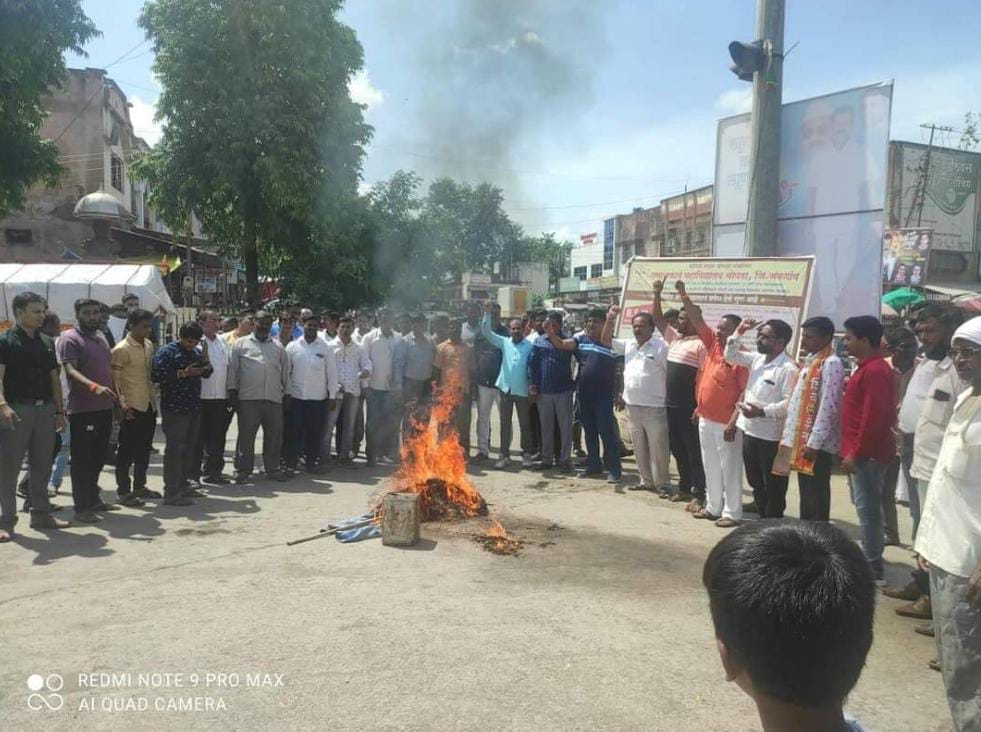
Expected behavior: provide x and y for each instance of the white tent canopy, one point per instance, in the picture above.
(62, 284)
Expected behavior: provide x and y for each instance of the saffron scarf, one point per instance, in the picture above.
(810, 402)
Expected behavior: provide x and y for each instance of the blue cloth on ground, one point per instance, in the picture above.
(346, 536)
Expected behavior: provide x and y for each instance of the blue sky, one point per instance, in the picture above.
(642, 86)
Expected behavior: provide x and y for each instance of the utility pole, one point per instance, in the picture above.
(764, 176)
(923, 177)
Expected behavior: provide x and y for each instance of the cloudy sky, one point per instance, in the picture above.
(580, 109)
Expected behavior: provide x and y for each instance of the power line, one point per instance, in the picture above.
(141, 43)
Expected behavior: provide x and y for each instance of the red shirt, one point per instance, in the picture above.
(720, 384)
(868, 412)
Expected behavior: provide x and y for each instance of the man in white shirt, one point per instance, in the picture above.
(209, 449)
(353, 367)
(923, 416)
(949, 538)
(764, 406)
(645, 372)
(313, 388)
(384, 396)
(812, 428)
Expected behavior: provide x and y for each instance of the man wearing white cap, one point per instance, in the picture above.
(949, 538)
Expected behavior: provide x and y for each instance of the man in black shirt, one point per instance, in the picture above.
(31, 413)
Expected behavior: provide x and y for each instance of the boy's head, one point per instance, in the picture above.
(792, 603)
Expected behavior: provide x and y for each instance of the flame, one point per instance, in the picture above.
(496, 531)
(432, 456)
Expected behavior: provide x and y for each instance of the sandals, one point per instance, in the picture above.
(704, 514)
(726, 523)
(132, 501)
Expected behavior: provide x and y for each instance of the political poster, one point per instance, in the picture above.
(753, 287)
(905, 256)
(936, 191)
(833, 166)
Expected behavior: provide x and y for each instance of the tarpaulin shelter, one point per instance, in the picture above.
(62, 284)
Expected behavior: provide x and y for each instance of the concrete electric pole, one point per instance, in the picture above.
(764, 176)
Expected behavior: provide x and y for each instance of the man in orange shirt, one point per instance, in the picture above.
(720, 387)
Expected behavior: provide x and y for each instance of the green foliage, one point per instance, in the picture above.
(261, 139)
(420, 244)
(969, 135)
(34, 34)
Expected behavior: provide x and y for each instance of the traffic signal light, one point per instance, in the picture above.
(747, 58)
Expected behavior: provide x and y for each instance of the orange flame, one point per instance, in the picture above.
(433, 451)
(496, 531)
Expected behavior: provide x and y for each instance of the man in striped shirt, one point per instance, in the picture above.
(595, 384)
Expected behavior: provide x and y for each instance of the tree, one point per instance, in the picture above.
(546, 248)
(261, 139)
(969, 135)
(34, 35)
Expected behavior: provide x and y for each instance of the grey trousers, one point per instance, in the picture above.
(957, 626)
(649, 434)
(33, 434)
(550, 408)
(348, 409)
(181, 434)
(510, 403)
(253, 414)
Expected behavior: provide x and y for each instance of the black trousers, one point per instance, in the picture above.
(815, 490)
(687, 451)
(135, 441)
(307, 425)
(90, 443)
(769, 490)
(208, 457)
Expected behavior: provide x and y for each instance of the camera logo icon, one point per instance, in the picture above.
(44, 692)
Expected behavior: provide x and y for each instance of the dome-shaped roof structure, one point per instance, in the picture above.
(100, 205)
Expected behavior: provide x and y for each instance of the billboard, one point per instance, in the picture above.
(760, 288)
(833, 163)
(905, 256)
(949, 198)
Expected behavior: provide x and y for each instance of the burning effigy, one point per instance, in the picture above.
(434, 465)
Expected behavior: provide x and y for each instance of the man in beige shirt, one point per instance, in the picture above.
(131, 376)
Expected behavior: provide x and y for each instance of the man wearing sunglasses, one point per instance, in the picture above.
(949, 538)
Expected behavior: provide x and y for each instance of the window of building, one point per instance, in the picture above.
(609, 229)
(19, 236)
(116, 173)
(580, 273)
(596, 270)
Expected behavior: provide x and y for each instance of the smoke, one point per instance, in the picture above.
(494, 79)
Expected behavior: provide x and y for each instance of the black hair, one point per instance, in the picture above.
(49, 318)
(190, 330)
(418, 318)
(311, 316)
(895, 336)
(138, 316)
(596, 314)
(734, 319)
(21, 301)
(247, 312)
(230, 322)
(330, 315)
(866, 326)
(84, 302)
(555, 316)
(821, 325)
(672, 314)
(646, 315)
(793, 603)
(346, 319)
(781, 330)
(949, 317)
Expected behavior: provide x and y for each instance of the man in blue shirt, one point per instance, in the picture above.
(178, 367)
(595, 383)
(512, 382)
(550, 386)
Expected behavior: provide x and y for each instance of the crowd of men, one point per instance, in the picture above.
(322, 387)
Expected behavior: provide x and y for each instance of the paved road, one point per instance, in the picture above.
(605, 627)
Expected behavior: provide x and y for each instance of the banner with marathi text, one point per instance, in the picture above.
(759, 287)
